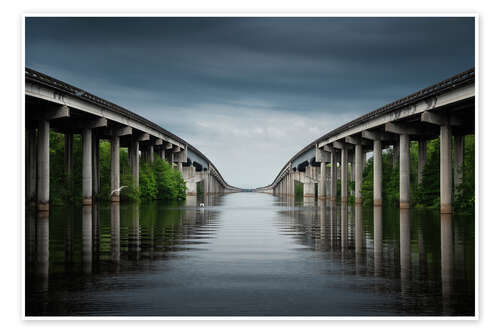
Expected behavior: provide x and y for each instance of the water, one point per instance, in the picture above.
(248, 254)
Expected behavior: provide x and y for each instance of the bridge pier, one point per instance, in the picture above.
(68, 155)
(343, 175)
(115, 168)
(87, 166)
(377, 173)
(422, 158)
(43, 167)
(162, 152)
(445, 169)
(404, 171)
(458, 160)
(31, 165)
(151, 153)
(333, 174)
(322, 182)
(358, 172)
(133, 153)
(96, 181)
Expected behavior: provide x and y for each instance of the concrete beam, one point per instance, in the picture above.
(401, 129)
(341, 145)
(91, 123)
(376, 135)
(440, 119)
(322, 155)
(53, 113)
(122, 131)
(157, 142)
(357, 141)
(168, 146)
(142, 137)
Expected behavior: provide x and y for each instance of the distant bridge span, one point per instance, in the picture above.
(53, 104)
(445, 110)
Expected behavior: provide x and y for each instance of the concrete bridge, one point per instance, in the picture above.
(53, 104)
(444, 110)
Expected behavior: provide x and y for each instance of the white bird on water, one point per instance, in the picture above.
(117, 190)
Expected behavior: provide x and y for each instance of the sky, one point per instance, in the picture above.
(250, 92)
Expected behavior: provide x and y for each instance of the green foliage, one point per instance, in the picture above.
(299, 190)
(169, 181)
(427, 194)
(428, 191)
(464, 195)
(147, 182)
(157, 181)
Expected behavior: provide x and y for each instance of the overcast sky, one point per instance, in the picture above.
(250, 92)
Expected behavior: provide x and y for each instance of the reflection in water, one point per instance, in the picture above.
(343, 225)
(377, 240)
(405, 249)
(446, 260)
(42, 251)
(248, 254)
(134, 234)
(87, 239)
(115, 234)
(358, 237)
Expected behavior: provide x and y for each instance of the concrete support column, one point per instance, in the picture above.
(151, 154)
(395, 155)
(162, 153)
(404, 171)
(133, 153)
(343, 175)
(358, 173)
(96, 177)
(377, 173)
(445, 169)
(87, 166)
(205, 183)
(333, 175)
(322, 181)
(31, 161)
(115, 168)
(43, 167)
(422, 158)
(458, 150)
(68, 154)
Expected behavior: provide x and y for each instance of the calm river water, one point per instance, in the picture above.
(248, 254)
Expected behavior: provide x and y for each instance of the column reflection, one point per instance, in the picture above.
(343, 226)
(447, 261)
(404, 249)
(115, 234)
(377, 241)
(41, 268)
(87, 239)
(134, 234)
(358, 237)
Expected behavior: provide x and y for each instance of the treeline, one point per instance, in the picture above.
(156, 182)
(426, 194)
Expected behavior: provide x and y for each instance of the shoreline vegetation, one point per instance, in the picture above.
(423, 195)
(160, 181)
(157, 181)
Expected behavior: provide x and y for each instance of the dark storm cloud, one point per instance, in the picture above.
(330, 68)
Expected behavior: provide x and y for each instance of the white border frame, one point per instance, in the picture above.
(242, 14)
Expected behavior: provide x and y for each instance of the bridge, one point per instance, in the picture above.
(444, 110)
(53, 104)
